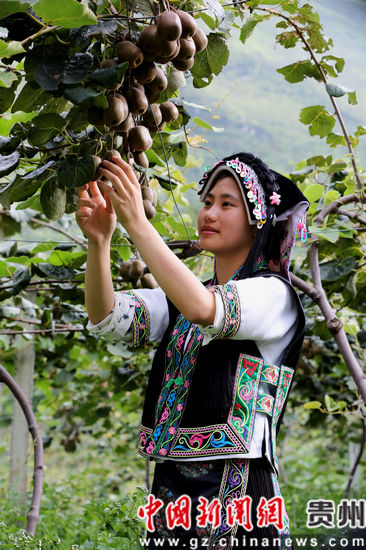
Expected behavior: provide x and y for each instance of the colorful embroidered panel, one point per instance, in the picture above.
(140, 321)
(242, 412)
(180, 363)
(270, 374)
(265, 403)
(231, 301)
(233, 485)
(283, 388)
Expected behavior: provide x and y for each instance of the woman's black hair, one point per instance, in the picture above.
(267, 241)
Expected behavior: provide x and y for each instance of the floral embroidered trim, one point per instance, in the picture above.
(286, 521)
(265, 403)
(232, 314)
(242, 412)
(178, 373)
(270, 374)
(233, 485)
(141, 321)
(283, 388)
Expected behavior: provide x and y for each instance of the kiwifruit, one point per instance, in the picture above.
(169, 111)
(169, 26)
(165, 59)
(124, 101)
(164, 48)
(112, 153)
(124, 270)
(128, 51)
(160, 81)
(148, 281)
(156, 129)
(72, 198)
(200, 40)
(150, 56)
(187, 49)
(115, 113)
(146, 72)
(149, 194)
(97, 162)
(137, 269)
(95, 116)
(189, 25)
(125, 125)
(149, 209)
(146, 38)
(152, 95)
(139, 138)
(137, 101)
(153, 116)
(141, 159)
(183, 65)
(53, 199)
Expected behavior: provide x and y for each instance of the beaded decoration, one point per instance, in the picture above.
(254, 190)
(301, 230)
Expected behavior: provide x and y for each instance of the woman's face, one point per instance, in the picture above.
(223, 225)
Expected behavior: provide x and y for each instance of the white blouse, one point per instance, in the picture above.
(268, 316)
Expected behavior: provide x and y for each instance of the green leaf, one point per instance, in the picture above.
(49, 120)
(7, 7)
(8, 163)
(77, 68)
(7, 49)
(154, 158)
(336, 90)
(321, 122)
(179, 152)
(6, 98)
(331, 196)
(25, 186)
(296, 72)
(110, 75)
(361, 336)
(332, 405)
(248, 28)
(80, 95)
(75, 171)
(313, 405)
(69, 14)
(361, 130)
(338, 63)
(329, 234)
(334, 139)
(288, 39)
(212, 59)
(37, 136)
(335, 269)
(7, 79)
(352, 99)
(9, 122)
(314, 192)
(50, 72)
(337, 167)
(31, 98)
(202, 123)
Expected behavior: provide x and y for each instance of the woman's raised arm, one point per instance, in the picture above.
(182, 287)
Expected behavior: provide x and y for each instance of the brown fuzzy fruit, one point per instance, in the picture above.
(200, 40)
(125, 125)
(157, 129)
(141, 159)
(124, 270)
(183, 65)
(137, 101)
(160, 81)
(187, 49)
(153, 116)
(112, 153)
(139, 138)
(115, 112)
(152, 96)
(146, 38)
(97, 162)
(164, 48)
(95, 116)
(137, 269)
(150, 194)
(128, 51)
(146, 72)
(189, 25)
(169, 111)
(169, 26)
(149, 209)
(148, 281)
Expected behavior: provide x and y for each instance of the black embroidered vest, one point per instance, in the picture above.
(201, 401)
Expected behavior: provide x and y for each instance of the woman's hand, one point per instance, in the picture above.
(95, 215)
(125, 195)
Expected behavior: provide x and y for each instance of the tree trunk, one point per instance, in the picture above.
(19, 447)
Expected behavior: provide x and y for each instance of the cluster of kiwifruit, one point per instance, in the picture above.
(133, 109)
(134, 271)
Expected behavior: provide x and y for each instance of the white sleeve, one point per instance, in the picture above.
(259, 308)
(138, 317)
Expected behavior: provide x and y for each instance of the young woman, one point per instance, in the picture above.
(228, 347)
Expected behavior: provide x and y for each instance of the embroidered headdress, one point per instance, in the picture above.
(273, 203)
